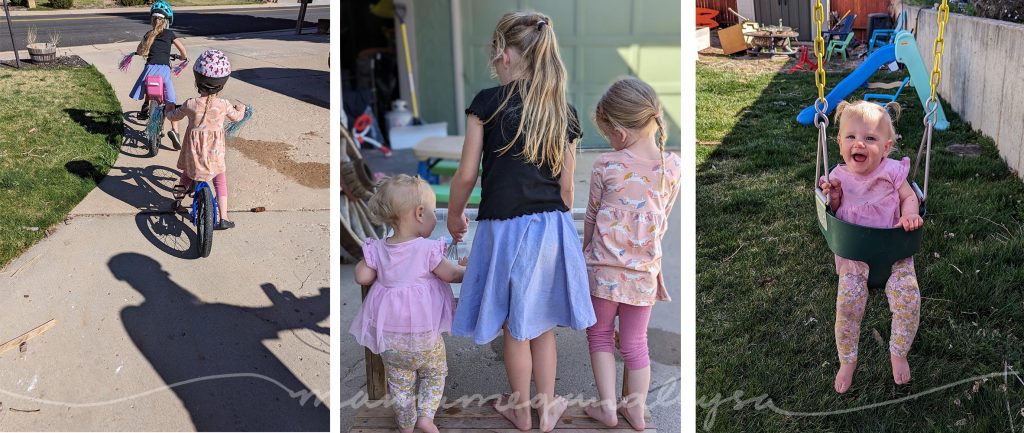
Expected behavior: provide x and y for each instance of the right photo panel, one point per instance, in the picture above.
(859, 215)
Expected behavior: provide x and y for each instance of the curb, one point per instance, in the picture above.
(130, 10)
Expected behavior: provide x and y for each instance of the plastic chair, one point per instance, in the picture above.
(844, 29)
(840, 46)
(886, 97)
(879, 35)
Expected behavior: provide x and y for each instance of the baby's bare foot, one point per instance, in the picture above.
(634, 416)
(900, 369)
(844, 377)
(550, 414)
(426, 424)
(603, 413)
(517, 414)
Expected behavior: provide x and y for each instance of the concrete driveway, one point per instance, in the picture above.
(147, 336)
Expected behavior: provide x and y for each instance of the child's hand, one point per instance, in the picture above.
(833, 190)
(169, 106)
(458, 225)
(911, 222)
(240, 107)
(463, 261)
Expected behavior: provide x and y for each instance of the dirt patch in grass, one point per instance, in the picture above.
(62, 62)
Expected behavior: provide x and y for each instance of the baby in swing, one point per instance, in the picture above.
(871, 190)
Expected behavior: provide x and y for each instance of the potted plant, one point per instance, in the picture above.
(42, 52)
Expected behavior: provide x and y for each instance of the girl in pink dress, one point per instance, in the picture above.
(202, 153)
(410, 303)
(631, 194)
(871, 190)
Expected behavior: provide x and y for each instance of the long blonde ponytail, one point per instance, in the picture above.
(159, 25)
(540, 81)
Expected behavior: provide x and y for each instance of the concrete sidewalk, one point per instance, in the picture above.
(148, 338)
(476, 369)
(137, 9)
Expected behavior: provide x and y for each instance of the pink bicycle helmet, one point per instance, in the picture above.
(212, 70)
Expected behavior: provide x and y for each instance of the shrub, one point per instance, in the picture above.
(1006, 10)
(132, 2)
(62, 4)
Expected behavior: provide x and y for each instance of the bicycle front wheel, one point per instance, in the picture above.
(204, 221)
(155, 128)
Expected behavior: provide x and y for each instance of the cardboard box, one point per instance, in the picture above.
(732, 39)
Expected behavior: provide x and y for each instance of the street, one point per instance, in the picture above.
(109, 27)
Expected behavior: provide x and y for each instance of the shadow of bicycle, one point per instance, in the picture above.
(147, 189)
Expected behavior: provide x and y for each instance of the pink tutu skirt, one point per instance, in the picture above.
(409, 319)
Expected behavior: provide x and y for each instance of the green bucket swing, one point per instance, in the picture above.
(879, 248)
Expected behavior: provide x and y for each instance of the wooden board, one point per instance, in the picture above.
(27, 336)
(475, 418)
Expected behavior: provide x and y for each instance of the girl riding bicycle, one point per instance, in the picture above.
(202, 156)
(156, 48)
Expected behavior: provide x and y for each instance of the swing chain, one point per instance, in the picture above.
(819, 52)
(931, 106)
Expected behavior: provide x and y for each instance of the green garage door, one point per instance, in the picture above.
(600, 40)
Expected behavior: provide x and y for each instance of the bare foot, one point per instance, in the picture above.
(603, 413)
(844, 377)
(900, 369)
(549, 415)
(518, 415)
(426, 424)
(634, 416)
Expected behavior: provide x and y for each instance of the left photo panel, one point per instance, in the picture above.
(164, 238)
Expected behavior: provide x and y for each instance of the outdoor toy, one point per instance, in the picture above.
(879, 248)
(361, 131)
(904, 51)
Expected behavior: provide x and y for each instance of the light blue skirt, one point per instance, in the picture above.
(139, 91)
(528, 271)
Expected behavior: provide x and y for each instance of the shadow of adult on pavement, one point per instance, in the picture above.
(291, 82)
(214, 356)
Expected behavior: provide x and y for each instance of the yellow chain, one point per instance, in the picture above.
(819, 51)
(939, 45)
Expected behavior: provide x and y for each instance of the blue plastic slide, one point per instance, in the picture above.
(903, 51)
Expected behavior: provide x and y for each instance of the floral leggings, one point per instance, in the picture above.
(904, 303)
(406, 370)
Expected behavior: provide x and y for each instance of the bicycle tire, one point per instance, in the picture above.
(154, 139)
(204, 221)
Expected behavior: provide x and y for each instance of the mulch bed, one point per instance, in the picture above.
(70, 61)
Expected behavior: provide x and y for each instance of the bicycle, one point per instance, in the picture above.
(205, 213)
(155, 95)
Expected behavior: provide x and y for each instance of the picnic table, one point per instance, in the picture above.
(775, 39)
(439, 156)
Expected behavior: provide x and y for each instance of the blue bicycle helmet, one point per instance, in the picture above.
(162, 9)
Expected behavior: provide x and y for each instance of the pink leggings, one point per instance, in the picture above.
(220, 183)
(632, 331)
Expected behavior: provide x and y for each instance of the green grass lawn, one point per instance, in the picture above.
(766, 283)
(60, 130)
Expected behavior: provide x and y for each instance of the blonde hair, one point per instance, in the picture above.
(865, 109)
(540, 80)
(159, 25)
(395, 196)
(631, 104)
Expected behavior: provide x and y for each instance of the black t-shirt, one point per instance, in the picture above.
(510, 186)
(160, 51)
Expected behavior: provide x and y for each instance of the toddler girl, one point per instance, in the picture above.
(202, 155)
(527, 274)
(410, 303)
(872, 190)
(631, 194)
